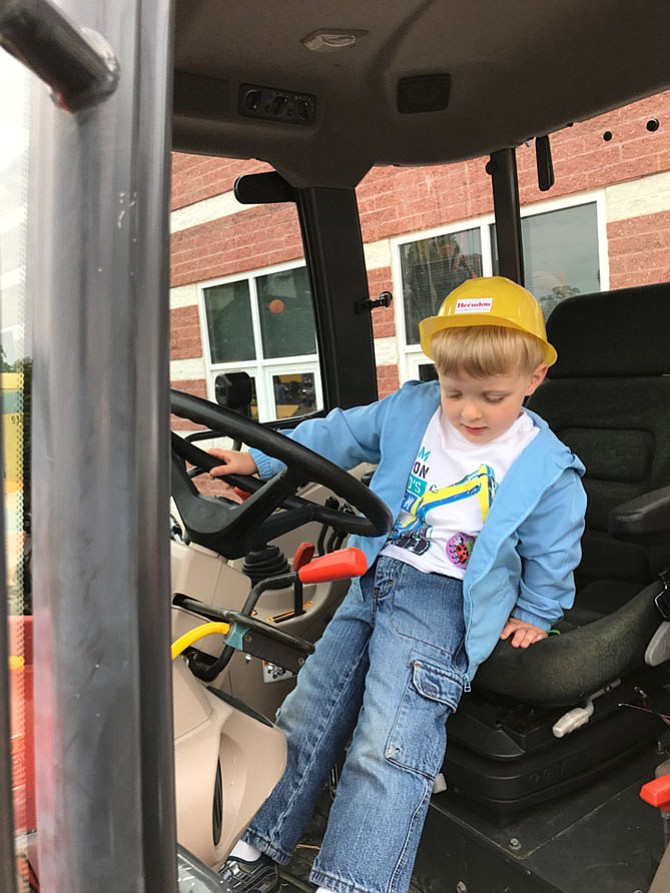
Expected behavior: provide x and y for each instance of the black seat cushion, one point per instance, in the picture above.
(565, 669)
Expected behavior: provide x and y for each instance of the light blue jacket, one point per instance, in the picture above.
(523, 560)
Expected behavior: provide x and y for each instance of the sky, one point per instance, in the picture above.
(14, 83)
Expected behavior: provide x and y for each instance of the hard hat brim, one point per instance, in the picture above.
(433, 324)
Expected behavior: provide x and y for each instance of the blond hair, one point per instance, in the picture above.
(483, 351)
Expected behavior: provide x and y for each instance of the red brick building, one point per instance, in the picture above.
(604, 224)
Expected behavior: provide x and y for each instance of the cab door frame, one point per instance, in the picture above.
(97, 273)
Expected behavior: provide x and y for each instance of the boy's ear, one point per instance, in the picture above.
(537, 378)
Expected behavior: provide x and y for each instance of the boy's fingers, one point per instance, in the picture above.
(526, 637)
(232, 463)
(521, 638)
(227, 462)
(522, 635)
(224, 455)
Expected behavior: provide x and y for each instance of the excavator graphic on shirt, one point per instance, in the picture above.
(414, 533)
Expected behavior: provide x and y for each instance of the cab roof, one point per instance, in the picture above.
(325, 90)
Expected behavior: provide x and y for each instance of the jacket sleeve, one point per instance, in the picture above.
(550, 549)
(346, 437)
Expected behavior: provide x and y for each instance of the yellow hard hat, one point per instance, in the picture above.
(489, 301)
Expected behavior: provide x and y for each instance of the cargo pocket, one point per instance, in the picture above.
(418, 737)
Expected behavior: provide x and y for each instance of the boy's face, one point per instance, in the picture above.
(484, 408)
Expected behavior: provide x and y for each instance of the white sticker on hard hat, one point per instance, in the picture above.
(474, 305)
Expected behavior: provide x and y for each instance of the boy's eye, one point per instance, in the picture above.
(494, 398)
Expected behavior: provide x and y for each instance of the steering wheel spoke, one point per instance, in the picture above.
(254, 513)
(232, 529)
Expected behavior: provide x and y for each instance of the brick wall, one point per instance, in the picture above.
(185, 335)
(639, 250)
(388, 380)
(383, 318)
(197, 177)
(232, 244)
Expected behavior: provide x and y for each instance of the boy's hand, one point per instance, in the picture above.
(232, 462)
(523, 634)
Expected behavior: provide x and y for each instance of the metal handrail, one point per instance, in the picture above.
(77, 63)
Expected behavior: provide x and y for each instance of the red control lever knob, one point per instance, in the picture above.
(303, 555)
(335, 566)
(657, 792)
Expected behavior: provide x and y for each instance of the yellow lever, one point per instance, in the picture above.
(207, 629)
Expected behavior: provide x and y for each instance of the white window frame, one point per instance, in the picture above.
(410, 356)
(261, 370)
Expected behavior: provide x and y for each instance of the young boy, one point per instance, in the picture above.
(489, 508)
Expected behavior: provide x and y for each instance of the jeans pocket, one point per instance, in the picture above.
(418, 737)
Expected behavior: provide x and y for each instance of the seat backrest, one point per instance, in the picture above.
(608, 399)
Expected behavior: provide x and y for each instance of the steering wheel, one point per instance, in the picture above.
(233, 529)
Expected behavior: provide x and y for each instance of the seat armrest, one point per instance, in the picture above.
(644, 520)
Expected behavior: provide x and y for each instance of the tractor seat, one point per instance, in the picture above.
(608, 399)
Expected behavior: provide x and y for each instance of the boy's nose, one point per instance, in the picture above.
(470, 412)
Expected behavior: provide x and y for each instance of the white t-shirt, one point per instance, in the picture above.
(449, 493)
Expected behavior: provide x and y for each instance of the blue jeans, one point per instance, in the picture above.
(387, 673)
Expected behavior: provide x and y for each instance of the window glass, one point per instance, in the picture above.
(431, 268)
(11, 242)
(229, 322)
(294, 394)
(560, 251)
(427, 372)
(286, 314)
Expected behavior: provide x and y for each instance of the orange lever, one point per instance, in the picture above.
(303, 555)
(657, 792)
(335, 566)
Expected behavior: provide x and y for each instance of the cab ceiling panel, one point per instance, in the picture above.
(324, 90)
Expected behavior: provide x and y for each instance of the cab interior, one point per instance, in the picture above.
(542, 742)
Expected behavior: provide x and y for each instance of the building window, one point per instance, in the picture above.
(560, 253)
(565, 253)
(263, 324)
(431, 268)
